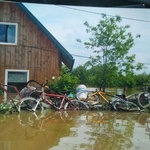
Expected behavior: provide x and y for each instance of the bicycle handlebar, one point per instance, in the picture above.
(42, 85)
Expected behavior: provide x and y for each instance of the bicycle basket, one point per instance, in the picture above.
(25, 92)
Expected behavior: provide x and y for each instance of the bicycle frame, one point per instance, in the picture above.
(43, 96)
(101, 94)
(50, 95)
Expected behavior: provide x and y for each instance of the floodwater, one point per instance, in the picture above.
(75, 130)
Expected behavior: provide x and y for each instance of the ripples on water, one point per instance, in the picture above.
(75, 130)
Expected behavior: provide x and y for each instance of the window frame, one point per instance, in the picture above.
(16, 33)
(14, 70)
(6, 77)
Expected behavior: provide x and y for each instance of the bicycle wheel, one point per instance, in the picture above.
(30, 104)
(143, 100)
(76, 105)
(124, 105)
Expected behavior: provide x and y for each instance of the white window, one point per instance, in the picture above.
(8, 33)
(16, 78)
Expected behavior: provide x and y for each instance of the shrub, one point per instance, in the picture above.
(66, 82)
(6, 108)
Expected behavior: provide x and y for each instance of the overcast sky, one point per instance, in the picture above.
(65, 23)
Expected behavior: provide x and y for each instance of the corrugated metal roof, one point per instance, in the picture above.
(67, 58)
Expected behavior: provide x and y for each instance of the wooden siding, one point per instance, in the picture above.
(33, 52)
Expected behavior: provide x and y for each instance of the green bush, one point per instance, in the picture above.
(6, 108)
(66, 82)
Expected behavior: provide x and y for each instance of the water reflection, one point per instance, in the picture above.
(75, 130)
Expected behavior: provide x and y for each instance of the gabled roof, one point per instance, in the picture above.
(94, 3)
(67, 58)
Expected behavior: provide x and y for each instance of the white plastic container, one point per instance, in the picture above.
(80, 94)
(80, 88)
(119, 91)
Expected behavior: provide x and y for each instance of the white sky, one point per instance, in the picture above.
(66, 25)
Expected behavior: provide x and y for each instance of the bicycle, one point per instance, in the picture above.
(144, 98)
(94, 100)
(38, 98)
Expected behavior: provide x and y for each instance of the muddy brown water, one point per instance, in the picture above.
(75, 130)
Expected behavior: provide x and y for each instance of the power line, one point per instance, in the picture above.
(76, 9)
(80, 56)
(102, 13)
(89, 57)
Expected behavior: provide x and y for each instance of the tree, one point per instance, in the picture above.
(111, 44)
(143, 80)
(81, 72)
